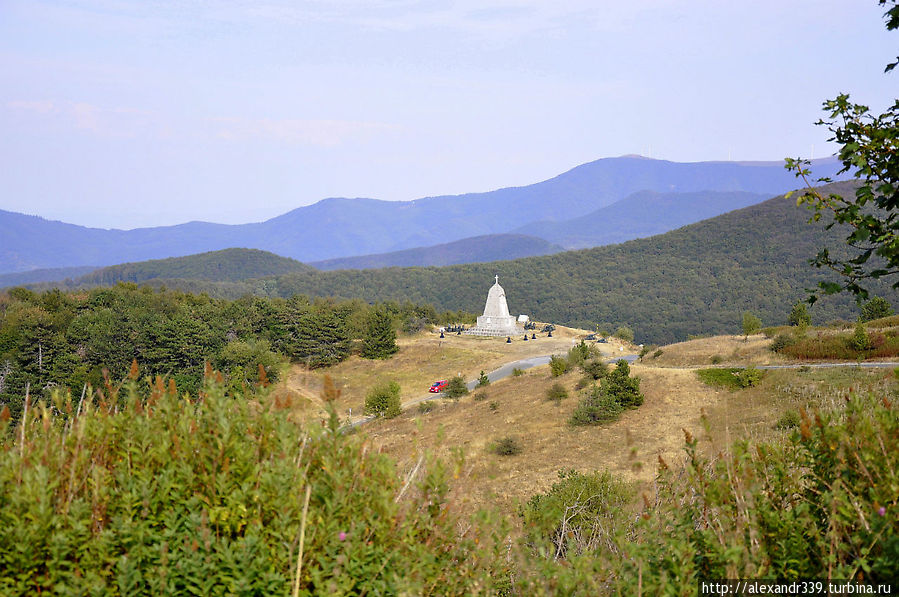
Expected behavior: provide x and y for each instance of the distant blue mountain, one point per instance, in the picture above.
(478, 249)
(335, 228)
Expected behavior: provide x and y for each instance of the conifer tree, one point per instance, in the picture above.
(379, 341)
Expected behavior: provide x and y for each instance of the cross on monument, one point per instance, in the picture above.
(497, 278)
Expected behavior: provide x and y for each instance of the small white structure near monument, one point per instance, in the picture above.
(496, 320)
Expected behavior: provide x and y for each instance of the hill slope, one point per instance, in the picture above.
(493, 247)
(695, 280)
(642, 214)
(227, 265)
(335, 228)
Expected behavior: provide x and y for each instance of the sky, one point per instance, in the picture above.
(133, 113)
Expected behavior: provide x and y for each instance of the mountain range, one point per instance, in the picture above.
(340, 227)
(698, 279)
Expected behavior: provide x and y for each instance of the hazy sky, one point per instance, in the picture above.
(126, 113)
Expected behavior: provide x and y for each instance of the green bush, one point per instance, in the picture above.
(493, 405)
(624, 333)
(426, 406)
(483, 380)
(456, 388)
(876, 308)
(558, 365)
(581, 352)
(151, 492)
(595, 368)
(799, 315)
(595, 408)
(748, 377)
(556, 392)
(383, 400)
(517, 372)
(657, 353)
(581, 514)
(506, 446)
(782, 341)
(716, 358)
(751, 324)
(788, 420)
(860, 340)
(622, 387)
(479, 396)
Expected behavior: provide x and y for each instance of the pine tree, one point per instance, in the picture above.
(379, 341)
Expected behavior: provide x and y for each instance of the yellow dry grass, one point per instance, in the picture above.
(629, 447)
(425, 358)
(729, 350)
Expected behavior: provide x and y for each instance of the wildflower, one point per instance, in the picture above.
(342, 536)
(882, 511)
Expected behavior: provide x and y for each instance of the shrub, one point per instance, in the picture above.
(517, 372)
(622, 387)
(595, 408)
(456, 388)
(624, 333)
(558, 365)
(788, 420)
(751, 324)
(579, 515)
(583, 382)
(506, 446)
(716, 358)
(483, 380)
(799, 315)
(556, 392)
(748, 377)
(876, 308)
(579, 353)
(479, 396)
(860, 340)
(782, 341)
(657, 353)
(426, 406)
(383, 400)
(595, 368)
(493, 405)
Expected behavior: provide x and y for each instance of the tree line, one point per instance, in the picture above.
(57, 339)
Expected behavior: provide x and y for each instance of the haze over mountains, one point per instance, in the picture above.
(338, 228)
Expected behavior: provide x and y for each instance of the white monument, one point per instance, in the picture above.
(496, 320)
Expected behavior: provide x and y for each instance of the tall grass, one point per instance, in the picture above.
(146, 491)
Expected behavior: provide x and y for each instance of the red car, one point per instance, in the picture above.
(438, 386)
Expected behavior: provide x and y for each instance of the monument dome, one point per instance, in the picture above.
(496, 320)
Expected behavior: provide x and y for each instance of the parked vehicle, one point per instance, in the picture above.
(438, 386)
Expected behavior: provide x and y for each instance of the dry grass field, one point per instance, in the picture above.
(424, 358)
(675, 399)
(723, 350)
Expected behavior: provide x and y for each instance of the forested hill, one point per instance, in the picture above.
(227, 265)
(491, 247)
(697, 279)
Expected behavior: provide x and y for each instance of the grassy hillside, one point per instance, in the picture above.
(227, 265)
(491, 247)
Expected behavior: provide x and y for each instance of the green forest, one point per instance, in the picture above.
(698, 279)
(63, 340)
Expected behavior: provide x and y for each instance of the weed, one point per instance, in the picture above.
(506, 446)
